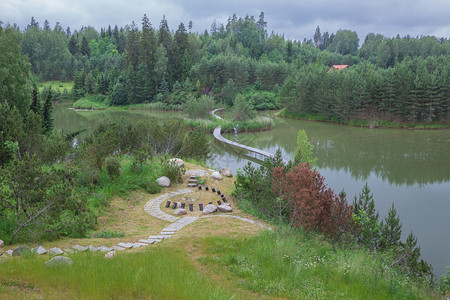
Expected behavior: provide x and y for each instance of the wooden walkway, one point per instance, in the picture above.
(218, 136)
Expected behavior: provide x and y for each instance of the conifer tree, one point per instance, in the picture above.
(84, 49)
(391, 229)
(73, 46)
(47, 110)
(35, 103)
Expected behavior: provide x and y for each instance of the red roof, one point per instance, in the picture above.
(338, 67)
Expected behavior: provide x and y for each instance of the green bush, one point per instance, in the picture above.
(172, 171)
(112, 165)
(199, 108)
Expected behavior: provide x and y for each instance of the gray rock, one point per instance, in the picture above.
(10, 252)
(118, 248)
(178, 204)
(92, 248)
(177, 162)
(70, 251)
(20, 251)
(216, 175)
(225, 207)
(180, 212)
(39, 250)
(59, 260)
(111, 254)
(80, 248)
(209, 209)
(105, 249)
(226, 172)
(163, 181)
(125, 245)
(55, 251)
(2, 243)
(196, 172)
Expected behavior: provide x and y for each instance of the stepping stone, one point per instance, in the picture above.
(10, 252)
(105, 249)
(192, 184)
(192, 177)
(167, 232)
(169, 228)
(192, 181)
(137, 245)
(80, 248)
(55, 251)
(147, 241)
(125, 245)
(118, 248)
(159, 237)
(93, 249)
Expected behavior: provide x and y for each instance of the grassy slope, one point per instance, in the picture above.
(57, 85)
(211, 258)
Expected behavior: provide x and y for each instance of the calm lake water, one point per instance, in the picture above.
(408, 168)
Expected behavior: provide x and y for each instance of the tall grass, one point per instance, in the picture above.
(129, 181)
(156, 273)
(299, 266)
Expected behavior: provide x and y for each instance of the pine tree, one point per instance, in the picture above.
(391, 229)
(84, 49)
(47, 110)
(35, 103)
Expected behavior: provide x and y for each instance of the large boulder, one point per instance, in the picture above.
(226, 172)
(225, 207)
(59, 260)
(209, 209)
(177, 162)
(163, 181)
(20, 251)
(216, 175)
(180, 212)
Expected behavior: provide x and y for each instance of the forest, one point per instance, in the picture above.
(401, 79)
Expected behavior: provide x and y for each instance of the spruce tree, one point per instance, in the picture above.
(47, 112)
(73, 46)
(391, 229)
(35, 103)
(85, 50)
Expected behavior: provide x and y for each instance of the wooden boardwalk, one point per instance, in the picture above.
(218, 136)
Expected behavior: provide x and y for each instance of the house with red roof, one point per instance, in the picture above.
(338, 68)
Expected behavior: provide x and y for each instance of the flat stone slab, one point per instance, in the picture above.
(118, 248)
(192, 185)
(93, 249)
(105, 249)
(158, 237)
(137, 245)
(80, 248)
(149, 242)
(70, 251)
(125, 245)
(196, 172)
(10, 252)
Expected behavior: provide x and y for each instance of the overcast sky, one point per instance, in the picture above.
(297, 19)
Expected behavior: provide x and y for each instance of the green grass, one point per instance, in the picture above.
(56, 85)
(129, 181)
(299, 266)
(91, 102)
(156, 273)
(257, 124)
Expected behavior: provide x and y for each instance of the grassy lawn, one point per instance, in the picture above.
(56, 85)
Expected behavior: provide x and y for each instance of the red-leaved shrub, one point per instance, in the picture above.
(313, 205)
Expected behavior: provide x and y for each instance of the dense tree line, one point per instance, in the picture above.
(401, 78)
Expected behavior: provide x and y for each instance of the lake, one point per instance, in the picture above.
(410, 168)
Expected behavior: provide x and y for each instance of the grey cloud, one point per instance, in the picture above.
(296, 19)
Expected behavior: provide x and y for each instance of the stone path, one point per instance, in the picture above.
(152, 207)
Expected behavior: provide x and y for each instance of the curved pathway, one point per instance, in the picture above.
(152, 207)
(218, 136)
